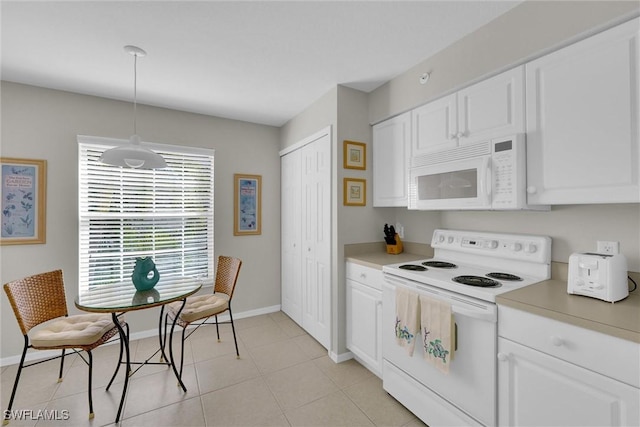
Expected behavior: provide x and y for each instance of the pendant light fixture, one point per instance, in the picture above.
(133, 155)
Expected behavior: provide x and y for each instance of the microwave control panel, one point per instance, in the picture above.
(507, 170)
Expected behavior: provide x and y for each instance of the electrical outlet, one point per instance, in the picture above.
(400, 230)
(608, 248)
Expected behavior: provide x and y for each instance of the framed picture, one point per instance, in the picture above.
(355, 155)
(23, 201)
(247, 204)
(355, 192)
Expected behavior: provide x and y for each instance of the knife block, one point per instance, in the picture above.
(397, 248)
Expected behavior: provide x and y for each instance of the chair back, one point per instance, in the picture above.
(37, 299)
(227, 275)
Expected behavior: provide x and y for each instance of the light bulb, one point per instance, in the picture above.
(134, 163)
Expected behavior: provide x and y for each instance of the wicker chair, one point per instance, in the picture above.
(41, 298)
(199, 308)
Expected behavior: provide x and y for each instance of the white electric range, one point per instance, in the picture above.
(468, 270)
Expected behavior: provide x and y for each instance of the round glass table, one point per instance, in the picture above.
(119, 298)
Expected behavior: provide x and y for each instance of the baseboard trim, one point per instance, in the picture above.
(342, 357)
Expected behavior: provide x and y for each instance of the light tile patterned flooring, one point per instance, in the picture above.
(283, 378)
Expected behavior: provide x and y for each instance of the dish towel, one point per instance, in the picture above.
(407, 325)
(437, 329)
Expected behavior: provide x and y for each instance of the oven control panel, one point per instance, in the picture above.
(524, 247)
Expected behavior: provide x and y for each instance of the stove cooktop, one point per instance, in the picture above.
(443, 278)
(497, 262)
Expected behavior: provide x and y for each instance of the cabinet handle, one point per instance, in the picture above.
(557, 341)
(502, 357)
(461, 134)
(379, 303)
(363, 276)
(532, 189)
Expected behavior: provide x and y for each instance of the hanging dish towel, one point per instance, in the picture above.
(437, 330)
(407, 325)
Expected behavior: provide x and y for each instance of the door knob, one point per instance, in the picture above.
(502, 357)
(532, 189)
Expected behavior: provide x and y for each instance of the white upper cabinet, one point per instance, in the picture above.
(493, 107)
(582, 121)
(488, 109)
(435, 126)
(391, 148)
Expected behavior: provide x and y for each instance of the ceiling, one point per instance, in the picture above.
(256, 61)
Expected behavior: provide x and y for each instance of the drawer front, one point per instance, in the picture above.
(602, 353)
(366, 275)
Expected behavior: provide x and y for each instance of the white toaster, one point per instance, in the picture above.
(598, 276)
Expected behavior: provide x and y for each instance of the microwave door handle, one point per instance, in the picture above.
(485, 180)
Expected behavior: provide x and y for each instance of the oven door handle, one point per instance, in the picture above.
(488, 317)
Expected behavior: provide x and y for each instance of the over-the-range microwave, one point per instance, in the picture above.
(488, 175)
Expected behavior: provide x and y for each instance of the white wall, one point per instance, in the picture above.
(42, 124)
(524, 32)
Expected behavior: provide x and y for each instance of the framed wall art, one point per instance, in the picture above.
(247, 204)
(355, 155)
(355, 192)
(24, 201)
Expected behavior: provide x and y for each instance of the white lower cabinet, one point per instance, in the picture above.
(551, 373)
(364, 315)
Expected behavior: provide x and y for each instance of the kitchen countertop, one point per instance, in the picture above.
(548, 298)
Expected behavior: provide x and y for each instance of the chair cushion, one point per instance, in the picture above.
(200, 307)
(79, 330)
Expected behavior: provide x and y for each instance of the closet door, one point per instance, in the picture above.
(291, 220)
(316, 238)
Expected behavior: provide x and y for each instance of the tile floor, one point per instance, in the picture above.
(283, 378)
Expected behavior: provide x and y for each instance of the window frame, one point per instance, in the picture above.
(195, 213)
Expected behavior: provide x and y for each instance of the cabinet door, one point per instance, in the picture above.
(291, 235)
(582, 121)
(491, 108)
(364, 321)
(391, 145)
(535, 389)
(316, 239)
(435, 126)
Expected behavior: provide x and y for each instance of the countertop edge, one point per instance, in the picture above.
(555, 290)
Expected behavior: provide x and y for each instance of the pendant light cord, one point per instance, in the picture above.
(135, 93)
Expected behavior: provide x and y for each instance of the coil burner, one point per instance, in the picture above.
(479, 281)
(413, 267)
(505, 276)
(439, 264)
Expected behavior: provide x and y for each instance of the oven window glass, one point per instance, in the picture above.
(462, 184)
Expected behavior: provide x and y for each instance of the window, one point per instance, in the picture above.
(127, 213)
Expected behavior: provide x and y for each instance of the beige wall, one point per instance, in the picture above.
(524, 32)
(43, 124)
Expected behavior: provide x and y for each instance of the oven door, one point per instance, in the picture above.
(460, 184)
(470, 384)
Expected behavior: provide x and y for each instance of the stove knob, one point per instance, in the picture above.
(441, 238)
(491, 244)
(450, 239)
(515, 247)
(530, 248)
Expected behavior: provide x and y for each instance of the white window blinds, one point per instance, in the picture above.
(166, 214)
